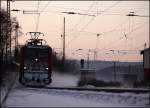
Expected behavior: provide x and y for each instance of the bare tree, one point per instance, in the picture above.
(5, 37)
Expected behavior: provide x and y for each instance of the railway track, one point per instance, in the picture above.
(105, 89)
(112, 90)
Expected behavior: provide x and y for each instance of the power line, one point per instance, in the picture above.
(117, 40)
(141, 46)
(86, 10)
(38, 16)
(140, 8)
(81, 30)
(95, 33)
(138, 27)
(85, 25)
(45, 6)
(103, 10)
(103, 33)
(109, 31)
(111, 6)
(84, 16)
(93, 19)
(69, 8)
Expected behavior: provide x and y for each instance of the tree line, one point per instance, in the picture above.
(7, 37)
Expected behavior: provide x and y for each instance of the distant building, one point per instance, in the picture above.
(146, 63)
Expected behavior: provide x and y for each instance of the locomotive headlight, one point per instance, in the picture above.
(46, 68)
(25, 68)
(36, 59)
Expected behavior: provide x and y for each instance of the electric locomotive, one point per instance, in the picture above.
(36, 61)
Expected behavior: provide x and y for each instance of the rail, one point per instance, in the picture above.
(112, 90)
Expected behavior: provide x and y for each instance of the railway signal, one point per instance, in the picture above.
(82, 63)
(63, 36)
(95, 52)
(114, 65)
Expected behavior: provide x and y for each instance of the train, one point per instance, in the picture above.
(36, 62)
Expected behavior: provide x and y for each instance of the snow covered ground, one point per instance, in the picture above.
(28, 97)
(3, 91)
(62, 80)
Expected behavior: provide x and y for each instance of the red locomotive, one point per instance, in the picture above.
(36, 61)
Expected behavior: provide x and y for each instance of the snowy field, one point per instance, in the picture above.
(62, 80)
(28, 97)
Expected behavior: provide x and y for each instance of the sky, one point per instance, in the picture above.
(125, 35)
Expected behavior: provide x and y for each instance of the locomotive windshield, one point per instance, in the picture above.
(41, 54)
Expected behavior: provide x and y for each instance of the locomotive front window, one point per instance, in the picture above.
(40, 54)
(43, 53)
(31, 53)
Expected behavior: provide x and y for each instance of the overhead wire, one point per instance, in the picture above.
(86, 10)
(109, 31)
(132, 51)
(117, 40)
(38, 15)
(70, 8)
(105, 10)
(93, 19)
(83, 26)
(129, 32)
(140, 46)
(83, 16)
(81, 30)
(45, 6)
(140, 8)
(116, 3)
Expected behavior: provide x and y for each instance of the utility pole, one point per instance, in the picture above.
(63, 57)
(95, 52)
(144, 45)
(16, 39)
(114, 65)
(88, 61)
(8, 29)
(16, 34)
(114, 70)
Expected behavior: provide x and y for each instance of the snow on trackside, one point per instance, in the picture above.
(3, 93)
(44, 100)
(65, 98)
(29, 97)
(62, 80)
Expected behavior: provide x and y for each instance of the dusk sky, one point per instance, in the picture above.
(125, 35)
